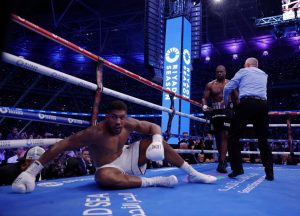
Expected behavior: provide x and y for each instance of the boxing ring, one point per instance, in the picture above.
(248, 194)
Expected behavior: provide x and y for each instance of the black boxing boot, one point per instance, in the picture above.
(235, 173)
(269, 174)
(222, 166)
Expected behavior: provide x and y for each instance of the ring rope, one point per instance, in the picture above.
(243, 152)
(73, 113)
(94, 57)
(279, 113)
(277, 125)
(41, 117)
(8, 144)
(17, 113)
(241, 139)
(102, 115)
(23, 63)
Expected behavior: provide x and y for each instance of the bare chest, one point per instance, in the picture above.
(217, 90)
(108, 144)
(105, 149)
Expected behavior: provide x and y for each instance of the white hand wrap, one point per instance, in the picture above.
(25, 182)
(155, 151)
(205, 108)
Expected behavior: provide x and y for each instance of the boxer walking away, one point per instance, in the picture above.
(220, 115)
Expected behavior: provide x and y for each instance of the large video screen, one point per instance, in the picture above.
(186, 75)
(172, 73)
(290, 9)
(177, 74)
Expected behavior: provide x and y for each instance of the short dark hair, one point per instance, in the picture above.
(116, 105)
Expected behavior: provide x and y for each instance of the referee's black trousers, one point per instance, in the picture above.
(250, 111)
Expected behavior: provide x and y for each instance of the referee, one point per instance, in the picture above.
(252, 109)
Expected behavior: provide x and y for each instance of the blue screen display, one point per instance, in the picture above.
(186, 75)
(171, 75)
(177, 62)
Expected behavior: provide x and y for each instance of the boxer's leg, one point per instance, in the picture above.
(111, 177)
(174, 158)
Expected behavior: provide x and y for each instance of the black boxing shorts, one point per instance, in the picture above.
(220, 120)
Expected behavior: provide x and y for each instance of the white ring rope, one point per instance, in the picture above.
(8, 144)
(277, 125)
(23, 63)
(243, 152)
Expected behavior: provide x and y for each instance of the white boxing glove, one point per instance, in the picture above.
(155, 150)
(25, 182)
(205, 108)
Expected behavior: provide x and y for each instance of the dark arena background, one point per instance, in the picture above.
(131, 35)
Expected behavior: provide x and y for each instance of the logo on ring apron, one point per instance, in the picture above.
(3, 110)
(41, 116)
